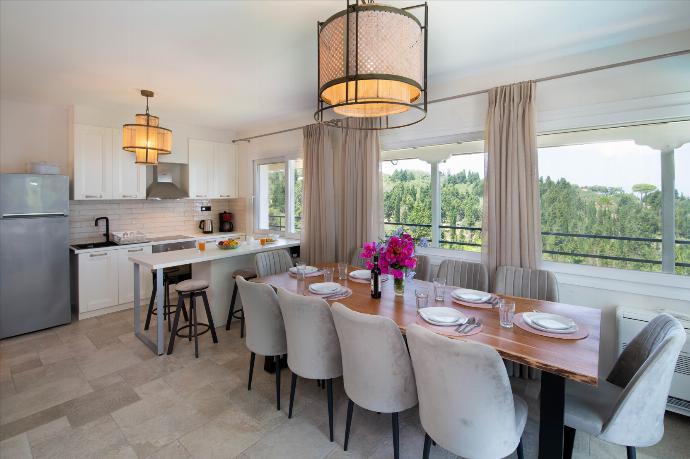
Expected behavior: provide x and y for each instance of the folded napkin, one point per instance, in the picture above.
(442, 316)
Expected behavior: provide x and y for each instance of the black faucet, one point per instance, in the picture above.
(107, 227)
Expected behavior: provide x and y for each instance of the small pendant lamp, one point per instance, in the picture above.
(145, 138)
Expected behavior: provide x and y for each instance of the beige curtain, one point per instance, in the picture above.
(342, 192)
(511, 227)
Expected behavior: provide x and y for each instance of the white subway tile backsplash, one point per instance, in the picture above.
(155, 217)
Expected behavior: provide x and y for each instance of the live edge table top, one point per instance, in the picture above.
(576, 360)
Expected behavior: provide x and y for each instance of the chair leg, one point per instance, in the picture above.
(329, 383)
(166, 287)
(632, 453)
(396, 436)
(350, 406)
(242, 324)
(232, 307)
(568, 442)
(251, 370)
(520, 452)
(427, 447)
(293, 385)
(173, 333)
(277, 360)
(192, 300)
(209, 317)
(150, 310)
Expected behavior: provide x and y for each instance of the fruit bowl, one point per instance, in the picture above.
(230, 244)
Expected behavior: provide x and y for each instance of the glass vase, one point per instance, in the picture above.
(399, 286)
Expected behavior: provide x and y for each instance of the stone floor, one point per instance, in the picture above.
(90, 389)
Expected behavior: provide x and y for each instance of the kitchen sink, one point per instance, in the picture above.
(94, 245)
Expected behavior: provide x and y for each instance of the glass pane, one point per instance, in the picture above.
(297, 186)
(595, 198)
(407, 196)
(270, 205)
(462, 193)
(682, 209)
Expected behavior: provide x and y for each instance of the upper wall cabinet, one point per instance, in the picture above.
(212, 170)
(93, 162)
(102, 170)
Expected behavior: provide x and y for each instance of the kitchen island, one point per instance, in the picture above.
(213, 265)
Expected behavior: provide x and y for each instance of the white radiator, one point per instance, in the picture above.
(630, 322)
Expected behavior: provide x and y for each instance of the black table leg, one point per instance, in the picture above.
(551, 415)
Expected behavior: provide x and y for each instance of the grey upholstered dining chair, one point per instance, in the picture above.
(422, 271)
(628, 408)
(537, 284)
(265, 328)
(464, 274)
(377, 371)
(312, 343)
(466, 404)
(272, 262)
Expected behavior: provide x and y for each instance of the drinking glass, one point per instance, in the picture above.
(506, 311)
(342, 270)
(439, 289)
(202, 246)
(301, 271)
(422, 295)
(328, 274)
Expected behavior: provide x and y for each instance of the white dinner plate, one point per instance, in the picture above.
(324, 288)
(442, 316)
(307, 269)
(551, 323)
(362, 274)
(471, 296)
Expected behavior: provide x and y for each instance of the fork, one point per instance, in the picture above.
(461, 328)
(472, 327)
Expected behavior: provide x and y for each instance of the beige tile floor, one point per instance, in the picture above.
(90, 389)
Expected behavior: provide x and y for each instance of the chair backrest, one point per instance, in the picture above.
(265, 329)
(272, 262)
(423, 269)
(464, 274)
(356, 260)
(538, 284)
(465, 399)
(638, 416)
(313, 346)
(377, 371)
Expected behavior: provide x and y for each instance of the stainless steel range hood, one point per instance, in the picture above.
(162, 187)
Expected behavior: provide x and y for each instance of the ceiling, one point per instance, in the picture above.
(241, 64)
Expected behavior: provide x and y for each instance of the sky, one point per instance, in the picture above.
(615, 164)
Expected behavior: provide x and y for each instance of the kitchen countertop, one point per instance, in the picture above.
(187, 256)
(188, 237)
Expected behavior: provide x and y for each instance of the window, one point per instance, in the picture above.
(436, 193)
(608, 197)
(278, 195)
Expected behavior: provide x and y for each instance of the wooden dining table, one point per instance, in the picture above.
(558, 359)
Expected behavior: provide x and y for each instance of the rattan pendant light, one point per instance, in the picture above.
(372, 64)
(145, 138)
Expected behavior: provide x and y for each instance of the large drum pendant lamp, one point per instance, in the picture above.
(372, 64)
(145, 138)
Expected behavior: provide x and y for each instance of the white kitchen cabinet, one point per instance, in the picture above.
(201, 169)
(125, 274)
(129, 178)
(98, 280)
(92, 162)
(224, 170)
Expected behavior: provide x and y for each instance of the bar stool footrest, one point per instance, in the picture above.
(205, 329)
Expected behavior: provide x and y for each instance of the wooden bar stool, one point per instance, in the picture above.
(192, 289)
(171, 276)
(239, 314)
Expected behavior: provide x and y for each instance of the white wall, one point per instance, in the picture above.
(652, 90)
(31, 132)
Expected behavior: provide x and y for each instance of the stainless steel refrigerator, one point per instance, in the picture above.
(34, 253)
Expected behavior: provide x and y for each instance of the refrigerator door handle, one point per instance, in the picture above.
(35, 214)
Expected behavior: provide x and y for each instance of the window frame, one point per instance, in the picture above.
(289, 168)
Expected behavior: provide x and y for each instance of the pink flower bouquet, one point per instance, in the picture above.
(396, 255)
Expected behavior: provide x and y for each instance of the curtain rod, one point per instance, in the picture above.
(485, 91)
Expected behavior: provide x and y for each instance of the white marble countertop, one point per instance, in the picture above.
(212, 252)
(172, 238)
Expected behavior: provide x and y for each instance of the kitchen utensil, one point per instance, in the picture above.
(206, 226)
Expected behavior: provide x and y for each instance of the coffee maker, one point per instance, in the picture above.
(225, 222)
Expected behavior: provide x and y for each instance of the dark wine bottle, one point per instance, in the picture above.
(376, 278)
